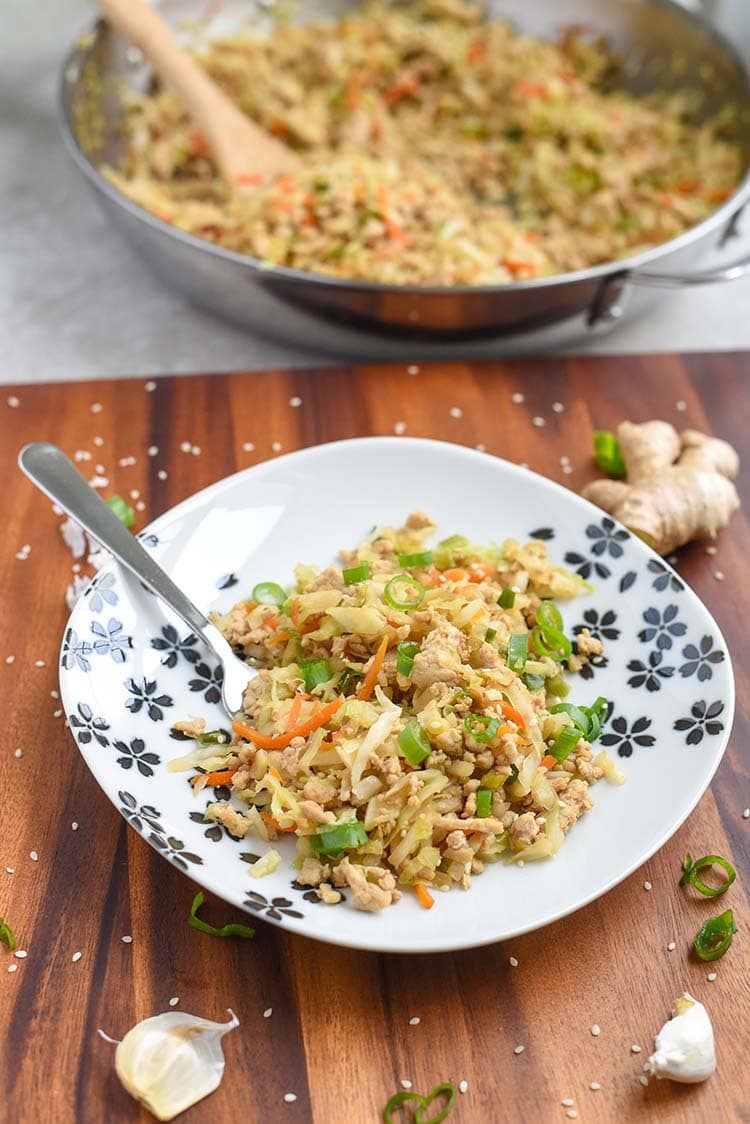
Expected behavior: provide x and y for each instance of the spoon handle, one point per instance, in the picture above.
(56, 476)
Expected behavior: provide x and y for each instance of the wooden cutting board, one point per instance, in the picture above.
(339, 1036)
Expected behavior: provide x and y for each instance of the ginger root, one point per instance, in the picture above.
(679, 486)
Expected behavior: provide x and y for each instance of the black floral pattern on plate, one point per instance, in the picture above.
(662, 627)
(208, 680)
(606, 539)
(86, 726)
(144, 694)
(309, 894)
(664, 579)
(627, 737)
(226, 581)
(135, 751)
(650, 673)
(275, 908)
(169, 642)
(174, 849)
(594, 664)
(149, 817)
(542, 534)
(148, 539)
(137, 817)
(214, 831)
(627, 580)
(76, 652)
(704, 719)
(102, 591)
(699, 659)
(111, 641)
(600, 625)
(248, 856)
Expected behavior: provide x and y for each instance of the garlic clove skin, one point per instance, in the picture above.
(172, 1060)
(684, 1047)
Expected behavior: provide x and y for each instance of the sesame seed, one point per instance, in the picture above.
(140, 506)
(126, 462)
(712, 550)
(463, 1086)
(10, 870)
(518, 398)
(406, 1083)
(415, 1020)
(595, 1086)
(12, 967)
(39, 663)
(54, 694)
(538, 421)
(567, 1102)
(276, 447)
(33, 855)
(719, 575)
(162, 474)
(596, 1030)
(10, 659)
(20, 954)
(150, 386)
(248, 447)
(290, 1098)
(746, 814)
(127, 939)
(195, 450)
(567, 469)
(671, 946)
(13, 402)
(18, 753)
(81, 455)
(558, 407)
(647, 886)
(513, 962)
(135, 494)
(518, 1049)
(76, 957)
(96, 407)
(152, 450)
(174, 1001)
(711, 977)
(412, 369)
(634, 1049)
(185, 446)
(399, 428)
(74, 826)
(98, 441)
(480, 448)
(268, 1012)
(456, 412)
(681, 405)
(571, 1113)
(564, 461)
(643, 1079)
(520, 863)
(57, 714)
(295, 402)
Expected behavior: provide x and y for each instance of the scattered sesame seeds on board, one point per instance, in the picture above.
(595, 1086)
(290, 1098)
(268, 1012)
(671, 946)
(538, 421)
(517, 398)
(456, 412)
(174, 1001)
(512, 961)
(127, 939)
(567, 1102)
(746, 814)
(248, 447)
(719, 575)
(399, 428)
(711, 977)
(405, 1083)
(414, 1020)
(647, 886)
(12, 967)
(463, 1086)
(76, 957)
(643, 1079)
(34, 856)
(518, 1049)
(150, 386)
(596, 1030)
(295, 402)
(96, 407)
(635, 1049)
(13, 402)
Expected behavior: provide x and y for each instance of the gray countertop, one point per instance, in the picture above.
(76, 301)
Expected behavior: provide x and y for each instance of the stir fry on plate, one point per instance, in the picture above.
(407, 723)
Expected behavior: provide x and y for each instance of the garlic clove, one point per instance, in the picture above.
(172, 1060)
(684, 1048)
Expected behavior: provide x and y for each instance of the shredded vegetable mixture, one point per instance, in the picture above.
(438, 149)
(407, 723)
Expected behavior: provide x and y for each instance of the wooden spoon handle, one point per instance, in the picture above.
(242, 150)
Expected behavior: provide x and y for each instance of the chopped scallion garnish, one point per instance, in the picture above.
(405, 654)
(215, 737)
(552, 643)
(608, 454)
(507, 598)
(715, 936)
(122, 510)
(233, 930)
(315, 672)
(349, 679)
(490, 635)
(357, 574)
(484, 803)
(414, 743)
(513, 776)
(565, 742)
(6, 935)
(413, 561)
(269, 593)
(481, 727)
(518, 650)
(446, 1089)
(691, 866)
(404, 592)
(331, 840)
(533, 682)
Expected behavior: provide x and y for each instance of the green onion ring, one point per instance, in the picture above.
(559, 645)
(397, 1100)
(269, 593)
(690, 876)
(715, 936)
(414, 561)
(446, 1089)
(392, 596)
(482, 727)
(357, 574)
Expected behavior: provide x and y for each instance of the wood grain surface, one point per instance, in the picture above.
(339, 1035)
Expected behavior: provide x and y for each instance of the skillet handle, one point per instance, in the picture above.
(731, 272)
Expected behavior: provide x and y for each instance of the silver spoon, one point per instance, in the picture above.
(58, 478)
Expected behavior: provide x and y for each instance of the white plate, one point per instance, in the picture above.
(128, 672)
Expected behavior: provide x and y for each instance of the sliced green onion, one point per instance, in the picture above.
(492, 781)
(397, 1100)
(549, 642)
(340, 837)
(580, 718)
(533, 682)
(715, 936)
(608, 454)
(357, 574)
(507, 598)
(233, 930)
(518, 651)
(414, 743)
(481, 727)
(484, 803)
(396, 592)
(565, 742)
(557, 686)
(691, 867)
(513, 776)
(122, 510)
(315, 672)
(490, 635)
(6, 935)
(269, 593)
(412, 561)
(349, 679)
(597, 715)
(549, 616)
(446, 1089)
(405, 654)
(215, 737)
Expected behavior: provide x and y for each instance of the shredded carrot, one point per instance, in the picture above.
(271, 822)
(531, 89)
(294, 712)
(432, 576)
(425, 897)
(197, 144)
(285, 184)
(548, 761)
(687, 187)
(455, 575)
(718, 194)
(295, 613)
(281, 741)
(353, 92)
(250, 178)
(271, 623)
(212, 779)
(277, 638)
(511, 712)
(480, 573)
(369, 681)
(515, 265)
(395, 232)
(401, 90)
(476, 51)
(275, 774)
